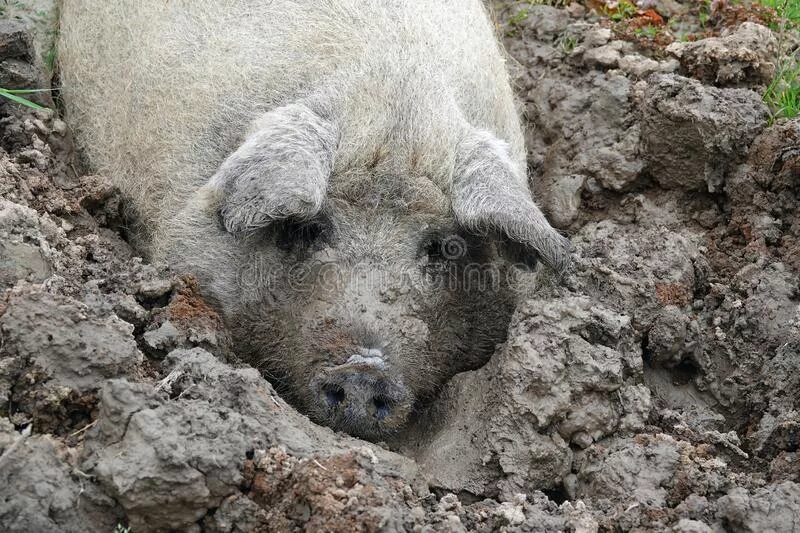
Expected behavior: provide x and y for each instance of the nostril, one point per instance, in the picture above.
(382, 407)
(334, 395)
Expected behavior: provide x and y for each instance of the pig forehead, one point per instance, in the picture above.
(382, 236)
(395, 193)
(384, 223)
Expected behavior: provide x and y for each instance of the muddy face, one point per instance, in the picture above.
(358, 316)
(359, 293)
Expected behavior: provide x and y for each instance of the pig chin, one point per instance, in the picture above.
(364, 396)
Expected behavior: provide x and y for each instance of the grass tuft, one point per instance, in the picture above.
(783, 93)
(788, 10)
(623, 11)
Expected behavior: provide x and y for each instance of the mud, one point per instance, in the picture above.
(655, 389)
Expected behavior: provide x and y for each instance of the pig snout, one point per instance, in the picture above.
(362, 396)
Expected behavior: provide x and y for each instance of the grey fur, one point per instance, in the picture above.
(383, 125)
(281, 170)
(490, 192)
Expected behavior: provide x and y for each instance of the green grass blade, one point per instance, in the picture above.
(18, 99)
(25, 91)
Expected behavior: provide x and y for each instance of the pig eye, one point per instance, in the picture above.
(451, 247)
(434, 263)
(433, 248)
(295, 236)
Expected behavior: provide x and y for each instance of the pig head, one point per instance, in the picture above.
(359, 306)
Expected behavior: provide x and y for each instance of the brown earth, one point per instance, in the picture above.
(656, 389)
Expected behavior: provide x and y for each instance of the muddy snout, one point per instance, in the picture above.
(362, 397)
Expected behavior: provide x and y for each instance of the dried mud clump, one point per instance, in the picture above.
(745, 56)
(689, 137)
(655, 389)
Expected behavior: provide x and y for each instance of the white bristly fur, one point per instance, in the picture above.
(376, 127)
(161, 92)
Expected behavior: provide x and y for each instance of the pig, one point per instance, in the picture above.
(345, 178)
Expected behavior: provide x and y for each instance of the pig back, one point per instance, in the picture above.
(159, 92)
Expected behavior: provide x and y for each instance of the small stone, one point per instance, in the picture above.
(164, 338)
(596, 36)
(690, 526)
(59, 127)
(129, 310)
(641, 67)
(154, 289)
(605, 56)
(582, 439)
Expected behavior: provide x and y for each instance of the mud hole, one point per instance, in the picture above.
(657, 389)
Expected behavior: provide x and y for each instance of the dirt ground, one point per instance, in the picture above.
(656, 389)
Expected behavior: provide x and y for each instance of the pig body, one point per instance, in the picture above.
(338, 174)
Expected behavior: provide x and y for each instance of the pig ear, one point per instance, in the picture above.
(280, 171)
(490, 193)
